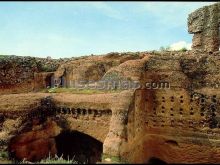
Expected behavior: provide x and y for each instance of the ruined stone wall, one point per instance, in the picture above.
(204, 23)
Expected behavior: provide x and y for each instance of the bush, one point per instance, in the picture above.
(183, 49)
(4, 155)
(2, 56)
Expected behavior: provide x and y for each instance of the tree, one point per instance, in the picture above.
(162, 48)
(167, 48)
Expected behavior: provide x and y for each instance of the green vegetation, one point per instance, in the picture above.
(57, 160)
(184, 49)
(3, 155)
(4, 158)
(113, 159)
(156, 52)
(49, 160)
(47, 68)
(162, 48)
(78, 91)
(165, 48)
(2, 56)
(52, 160)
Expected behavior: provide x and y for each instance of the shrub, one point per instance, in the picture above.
(184, 49)
(4, 154)
(2, 56)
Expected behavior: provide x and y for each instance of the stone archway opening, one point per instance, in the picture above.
(79, 147)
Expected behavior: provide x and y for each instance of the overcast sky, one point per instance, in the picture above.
(68, 29)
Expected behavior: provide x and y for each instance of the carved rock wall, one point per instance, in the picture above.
(179, 124)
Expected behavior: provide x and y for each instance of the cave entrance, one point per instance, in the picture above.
(79, 147)
(155, 160)
(48, 81)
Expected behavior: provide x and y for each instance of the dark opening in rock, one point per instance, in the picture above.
(78, 146)
(172, 142)
(154, 160)
(48, 81)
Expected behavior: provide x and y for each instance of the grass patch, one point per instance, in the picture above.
(52, 160)
(57, 160)
(78, 91)
(113, 159)
(3, 155)
(4, 158)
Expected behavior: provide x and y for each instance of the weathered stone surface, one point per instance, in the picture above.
(178, 123)
(91, 68)
(204, 23)
(133, 124)
(17, 74)
(35, 145)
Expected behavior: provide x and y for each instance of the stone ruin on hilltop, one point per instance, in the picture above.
(179, 123)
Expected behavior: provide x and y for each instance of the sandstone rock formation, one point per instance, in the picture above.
(134, 125)
(204, 23)
(173, 116)
(91, 68)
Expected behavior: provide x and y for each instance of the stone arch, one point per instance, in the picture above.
(56, 140)
(79, 146)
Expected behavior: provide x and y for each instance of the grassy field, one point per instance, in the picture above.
(78, 91)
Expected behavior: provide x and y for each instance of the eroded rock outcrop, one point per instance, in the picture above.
(19, 74)
(36, 144)
(91, 68)
(204, 23)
